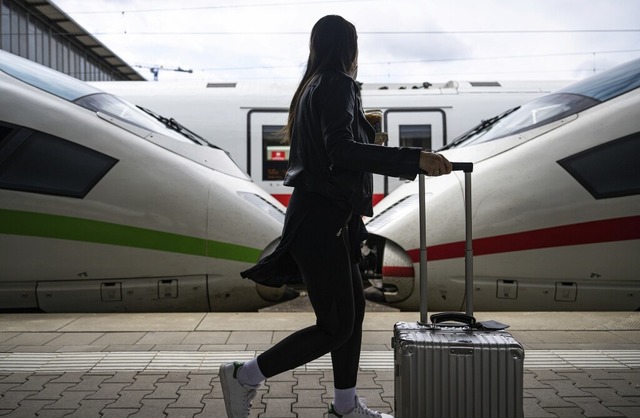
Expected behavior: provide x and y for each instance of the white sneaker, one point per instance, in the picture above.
(360, 411)
(237, 397)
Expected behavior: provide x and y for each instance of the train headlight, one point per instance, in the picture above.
(263, 205)
(388, 268)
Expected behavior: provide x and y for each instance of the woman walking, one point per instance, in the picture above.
(332, 157)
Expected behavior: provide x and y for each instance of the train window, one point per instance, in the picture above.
(415, 136)
(37, 162)
(608, 170)
(275, 155)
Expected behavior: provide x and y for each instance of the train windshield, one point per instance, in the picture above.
(121, 109)
(44, 78)
(553, 107)
(80, 93)
(89, 97)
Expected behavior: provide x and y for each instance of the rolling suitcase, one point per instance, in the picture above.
(454, 366)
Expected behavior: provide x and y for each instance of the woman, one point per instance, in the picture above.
(331, 159)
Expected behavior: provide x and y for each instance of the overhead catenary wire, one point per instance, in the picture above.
(365, 32)
(379, 30)
(224, 6)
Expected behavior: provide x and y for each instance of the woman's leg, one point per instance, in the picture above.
(346, 358)
(323, 259)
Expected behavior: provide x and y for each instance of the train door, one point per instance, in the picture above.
(424, 128)
(267, 156)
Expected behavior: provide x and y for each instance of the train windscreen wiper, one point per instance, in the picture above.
(481, 127)
(174, 125)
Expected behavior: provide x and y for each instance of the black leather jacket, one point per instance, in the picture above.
(332, 150)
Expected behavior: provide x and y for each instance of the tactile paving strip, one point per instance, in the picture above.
(210, 361)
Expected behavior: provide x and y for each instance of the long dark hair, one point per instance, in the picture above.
(333, 45)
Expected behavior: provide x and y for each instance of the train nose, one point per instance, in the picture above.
(389, 270)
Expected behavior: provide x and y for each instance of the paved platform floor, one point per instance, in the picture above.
(577, 364)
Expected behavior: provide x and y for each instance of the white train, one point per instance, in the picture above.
(556, 209)
(105, 208)
(245, 118)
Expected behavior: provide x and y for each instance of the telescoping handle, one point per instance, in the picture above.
(466, 167)
(468, 270)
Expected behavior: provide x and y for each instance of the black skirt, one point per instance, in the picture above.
(326, 215)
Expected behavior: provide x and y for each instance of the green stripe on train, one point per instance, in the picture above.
(86, 230)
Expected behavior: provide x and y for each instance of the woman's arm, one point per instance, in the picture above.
(337, 104)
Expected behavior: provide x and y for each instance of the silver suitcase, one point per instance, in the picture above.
(453, 366)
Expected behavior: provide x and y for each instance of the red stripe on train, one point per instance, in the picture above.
(395, 271)
(610, 230)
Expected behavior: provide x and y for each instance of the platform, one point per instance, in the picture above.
(153, 365)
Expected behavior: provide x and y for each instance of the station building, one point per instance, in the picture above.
(38, 30)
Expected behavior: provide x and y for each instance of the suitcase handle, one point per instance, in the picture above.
(466, 167)
(453, 316)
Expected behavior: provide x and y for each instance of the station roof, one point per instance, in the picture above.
(50, 13)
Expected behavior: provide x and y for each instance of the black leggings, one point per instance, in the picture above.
(334, 286)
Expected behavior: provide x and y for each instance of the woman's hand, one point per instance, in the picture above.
(434, 164)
